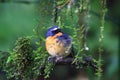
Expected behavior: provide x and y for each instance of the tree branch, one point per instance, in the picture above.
(86, 61)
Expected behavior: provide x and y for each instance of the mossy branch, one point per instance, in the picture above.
(101, 36)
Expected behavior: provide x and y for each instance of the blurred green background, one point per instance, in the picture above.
(19, 18)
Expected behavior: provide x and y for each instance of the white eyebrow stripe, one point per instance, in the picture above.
(55, 28)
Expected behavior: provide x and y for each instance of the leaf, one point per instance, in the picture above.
(9, 59)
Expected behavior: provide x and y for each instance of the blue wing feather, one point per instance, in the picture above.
(65, 39)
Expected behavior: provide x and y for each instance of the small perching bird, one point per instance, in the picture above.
(58, 44)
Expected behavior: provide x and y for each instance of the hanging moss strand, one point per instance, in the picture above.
(103, 13)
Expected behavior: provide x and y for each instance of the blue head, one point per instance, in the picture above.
(53, 30)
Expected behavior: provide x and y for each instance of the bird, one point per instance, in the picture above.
(58, 44)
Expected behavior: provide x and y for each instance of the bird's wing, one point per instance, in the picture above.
(68, 41)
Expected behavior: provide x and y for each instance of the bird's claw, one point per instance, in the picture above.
(59, 59)
(51, 59)
(55, 59)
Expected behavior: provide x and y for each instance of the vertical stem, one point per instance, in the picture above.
(55, 11)
(82, 25)
(83, 13)
(103, 12)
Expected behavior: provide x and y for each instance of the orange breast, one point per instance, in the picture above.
(55, 47)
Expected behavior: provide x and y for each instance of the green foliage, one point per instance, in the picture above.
(40, 60)
(99, 62)
(14, 22)
(26, 63)
(19, 62)
(60, 2)
(48, 69)
(80, 31)
(3, 58)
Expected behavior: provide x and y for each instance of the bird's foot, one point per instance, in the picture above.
(88, 58)
(52, 59)
(89, 61)
(59, 58)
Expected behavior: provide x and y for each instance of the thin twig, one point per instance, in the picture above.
(61, 6)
